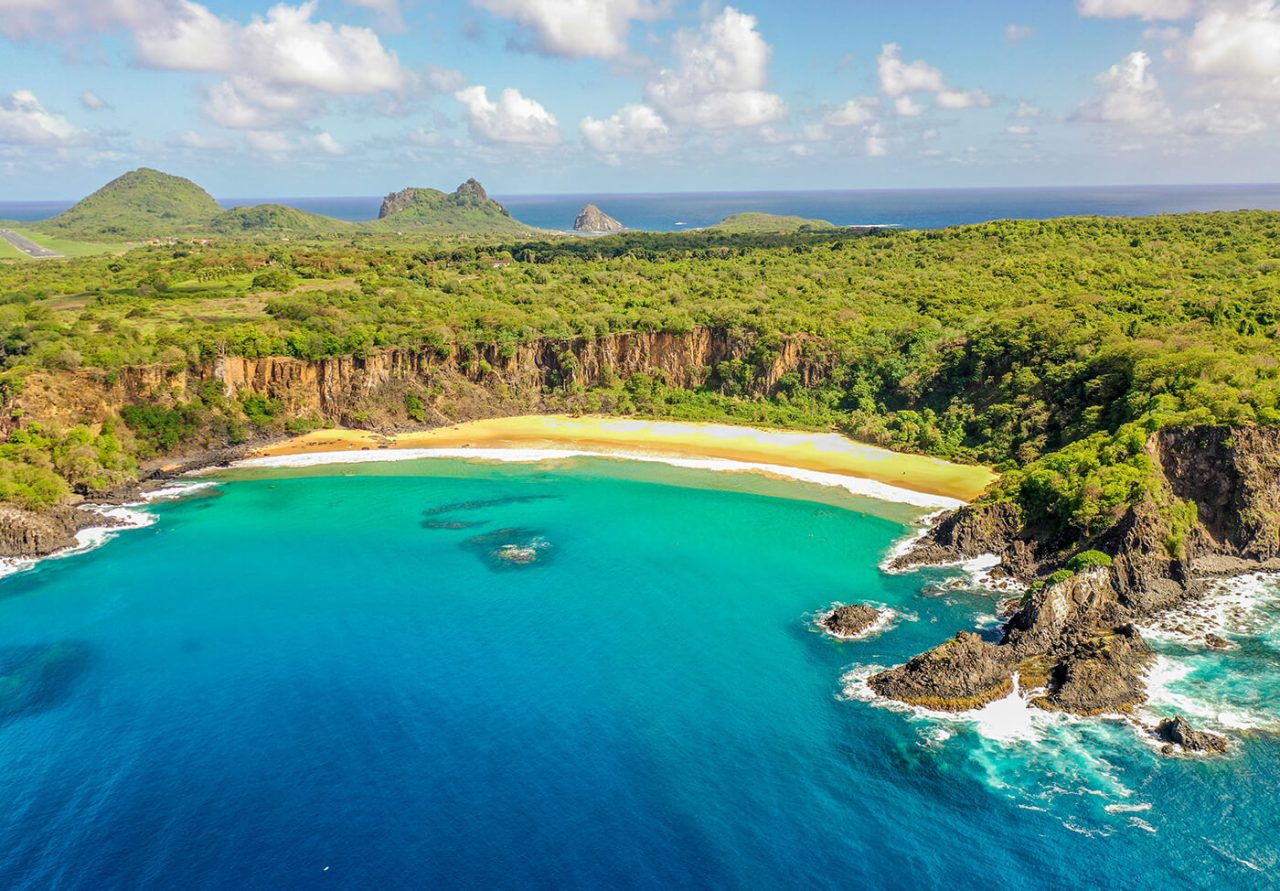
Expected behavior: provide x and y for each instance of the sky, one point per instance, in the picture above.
(361, 97)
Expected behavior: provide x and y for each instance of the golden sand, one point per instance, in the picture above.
(822, 452)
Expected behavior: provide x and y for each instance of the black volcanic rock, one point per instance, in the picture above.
(850, 620)
(1178, 731)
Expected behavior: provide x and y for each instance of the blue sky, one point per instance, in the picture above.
(352, 97)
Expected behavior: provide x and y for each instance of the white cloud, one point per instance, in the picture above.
(1236, 48)
(246, 103)
(284, 51)
(1143, 9)
(905, 106)
(963, 99)
(513, 119)
(720, 78)
(92, 101)
(898, 78)
(325, 142)
(875, 145)
(1019, 130)
(902, 81)
(1018, 33)
(1027, 110)
(24, 121)
(1130, 96)
(634, 129)
(269, 142)
(190, 139)
(853, 113)
(1226, 120)
(577, 28)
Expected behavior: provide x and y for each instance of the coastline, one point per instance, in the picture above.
(825, 458)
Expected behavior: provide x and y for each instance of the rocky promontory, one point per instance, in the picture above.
(25, 533)
(1074, 637)
(593, 219)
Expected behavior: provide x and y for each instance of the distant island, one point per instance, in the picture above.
(593, 219)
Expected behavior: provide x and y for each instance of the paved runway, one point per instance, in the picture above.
(27, 246)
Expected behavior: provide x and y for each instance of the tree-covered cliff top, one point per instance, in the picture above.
(1003, 342)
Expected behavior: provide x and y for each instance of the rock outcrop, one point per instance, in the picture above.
(1179, 732)
(25, 533)
(850, 620)
(593, 219)
(1074, 636)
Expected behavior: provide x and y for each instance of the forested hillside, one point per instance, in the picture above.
(1047, 348)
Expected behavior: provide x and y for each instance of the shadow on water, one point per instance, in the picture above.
(37, 678)
(516, 547)
(457, 506)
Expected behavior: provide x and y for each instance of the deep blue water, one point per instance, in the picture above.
(330, 678)
(913, 208)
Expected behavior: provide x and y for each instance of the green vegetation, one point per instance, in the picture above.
(1052, 349)
(755, 223)
(1088, 560)
(275, 218)
(468, 211)
(143, 203)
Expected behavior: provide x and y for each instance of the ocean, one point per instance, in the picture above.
(911, 208)
(342, 677)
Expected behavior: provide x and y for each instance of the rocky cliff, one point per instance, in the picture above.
(593, 219)
(458, 382)
(1075, 637)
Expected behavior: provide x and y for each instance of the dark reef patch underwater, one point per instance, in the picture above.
(296, 684)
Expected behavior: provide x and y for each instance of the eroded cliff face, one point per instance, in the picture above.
(1076, 638)
(459, 383)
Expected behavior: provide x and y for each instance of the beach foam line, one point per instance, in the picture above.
(854, 485)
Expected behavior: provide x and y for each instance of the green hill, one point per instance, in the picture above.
(467, 211)
(753, 223)
(275, 218)
(144, 203)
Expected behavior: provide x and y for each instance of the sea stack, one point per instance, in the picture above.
(593, 219)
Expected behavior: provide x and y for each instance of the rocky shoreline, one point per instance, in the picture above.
(1074, 637)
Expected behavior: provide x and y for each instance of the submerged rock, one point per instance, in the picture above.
(1179, 732)
(36, 678)
(851, 620)
(511, 548)
(963, 673)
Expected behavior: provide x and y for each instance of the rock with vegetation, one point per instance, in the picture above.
(1179, 732)
(850, 620)
(141, 204)
(593, 219)
(468, 210)
(761, 223)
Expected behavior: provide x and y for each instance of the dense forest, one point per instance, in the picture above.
(1049, 349)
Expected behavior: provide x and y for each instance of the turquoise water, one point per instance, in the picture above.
(327, 678)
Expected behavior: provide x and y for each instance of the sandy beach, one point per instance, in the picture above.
(825, 453)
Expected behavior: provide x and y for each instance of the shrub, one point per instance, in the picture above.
(1087, 560)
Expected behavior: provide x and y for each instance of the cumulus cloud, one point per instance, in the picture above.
(1143, 9)
(1130, 96)
(720, 77)
(853, 113)
(1236, 48)
(92, 101)
(634, 129)
(287, 50)
(902, 81)
(514, 119)
(24, 121)
(577, 28)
